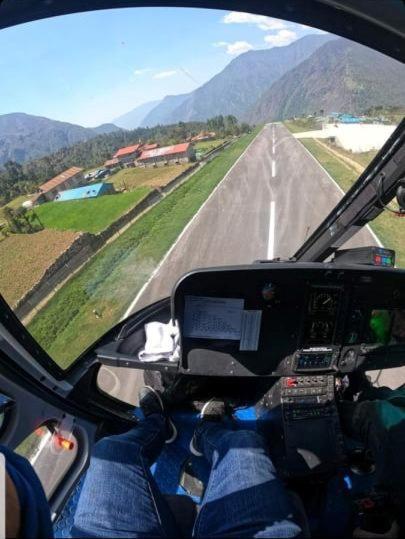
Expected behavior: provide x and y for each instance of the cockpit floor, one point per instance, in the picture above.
(337, 496)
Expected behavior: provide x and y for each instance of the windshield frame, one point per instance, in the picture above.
(374, 25)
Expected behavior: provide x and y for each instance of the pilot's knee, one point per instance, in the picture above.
(246, 439)
(104, 445)
(113, 444)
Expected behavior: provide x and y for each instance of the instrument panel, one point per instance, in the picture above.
(280, 319)
(322, 310)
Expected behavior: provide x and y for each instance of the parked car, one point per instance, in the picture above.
(90, 175)
(102, 173)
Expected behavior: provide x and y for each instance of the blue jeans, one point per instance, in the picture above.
(243, 497)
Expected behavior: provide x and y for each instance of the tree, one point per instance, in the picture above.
(13, 223)
(22, 216)
(15, 171)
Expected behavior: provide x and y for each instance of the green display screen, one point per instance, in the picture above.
(387, 326)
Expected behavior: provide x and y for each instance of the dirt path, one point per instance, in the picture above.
(346, 160)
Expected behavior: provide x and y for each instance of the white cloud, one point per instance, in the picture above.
(235, 48)
(261, 21)
(281, 38)
(238, 47)
(139, 72)
(165, 74)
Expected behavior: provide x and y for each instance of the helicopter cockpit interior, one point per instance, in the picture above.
(285, 344)
(291, 344)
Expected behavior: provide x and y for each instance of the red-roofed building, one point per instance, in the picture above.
(71, 177)
(147, 147)
(111, 163)
(178, 153)
(127, 154)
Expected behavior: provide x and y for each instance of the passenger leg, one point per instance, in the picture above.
(378, 421)
(243, 497)
(120, 497)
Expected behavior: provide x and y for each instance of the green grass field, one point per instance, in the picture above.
(206, 146)
(361, 158)
(131, 178)
(389, 229)
(90, 215)
(342, 173)
(110, 281)
(300, 125)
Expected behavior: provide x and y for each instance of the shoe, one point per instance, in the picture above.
(213, 410)
(150, 402)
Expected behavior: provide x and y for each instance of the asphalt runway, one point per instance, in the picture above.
(267, 205)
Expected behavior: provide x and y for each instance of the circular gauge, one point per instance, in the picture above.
(323, 302)
(320, 331)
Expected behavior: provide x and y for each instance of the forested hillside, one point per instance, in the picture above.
(17, 179)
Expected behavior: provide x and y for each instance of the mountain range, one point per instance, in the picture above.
(315, 72)
(339, 76)
(238, 86)
(133, 118)
(24, 136)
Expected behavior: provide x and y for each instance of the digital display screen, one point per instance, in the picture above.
(314, 361)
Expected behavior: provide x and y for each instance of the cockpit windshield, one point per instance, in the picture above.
(138, 144)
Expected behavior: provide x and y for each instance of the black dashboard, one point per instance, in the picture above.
(282, 319)
(305, 324)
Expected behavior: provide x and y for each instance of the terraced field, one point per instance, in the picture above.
(130, 178)
(25, 257)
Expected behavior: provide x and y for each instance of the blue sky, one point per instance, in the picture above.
(89, 68)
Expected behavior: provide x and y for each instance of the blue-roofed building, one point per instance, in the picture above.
(345, 118)
(88, 191)
(349, 119)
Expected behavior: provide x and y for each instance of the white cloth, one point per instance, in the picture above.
(162, 342)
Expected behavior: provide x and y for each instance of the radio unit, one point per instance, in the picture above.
(315, 359)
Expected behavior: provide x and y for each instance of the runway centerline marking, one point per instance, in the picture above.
(186, 228)
(273, 168)
(272, 222)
